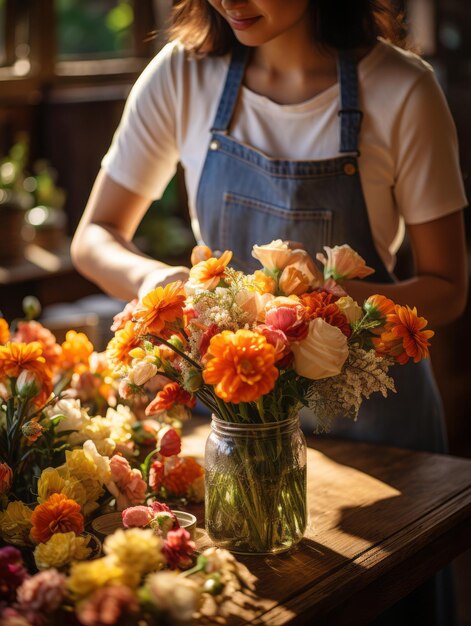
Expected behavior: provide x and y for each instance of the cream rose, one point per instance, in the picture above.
(300, 274)
(323, 352)
(352, 311)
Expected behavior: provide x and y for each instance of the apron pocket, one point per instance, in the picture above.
(246, 222)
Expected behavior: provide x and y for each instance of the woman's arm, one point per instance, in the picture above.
(439, 288)
(102, 249)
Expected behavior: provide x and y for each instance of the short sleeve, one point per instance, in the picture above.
(143, 155)
(428, 182)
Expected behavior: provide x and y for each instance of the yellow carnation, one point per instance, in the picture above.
(51, 481)
(15, 524)
(88, 576)
(136, 548)
(62, 548)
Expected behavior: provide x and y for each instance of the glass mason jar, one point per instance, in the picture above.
(255, 482)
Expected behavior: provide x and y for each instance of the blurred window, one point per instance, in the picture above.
(3, 52)
(94, 29)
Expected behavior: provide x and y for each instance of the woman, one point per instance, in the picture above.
(273, 146)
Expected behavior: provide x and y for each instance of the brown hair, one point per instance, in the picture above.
(339, 24)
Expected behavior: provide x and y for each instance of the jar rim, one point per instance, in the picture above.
(218, 423)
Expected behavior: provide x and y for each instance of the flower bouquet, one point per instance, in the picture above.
(255, 349)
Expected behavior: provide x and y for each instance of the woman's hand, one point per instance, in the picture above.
(161, 276)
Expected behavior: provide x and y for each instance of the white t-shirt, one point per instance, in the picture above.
(409, 156)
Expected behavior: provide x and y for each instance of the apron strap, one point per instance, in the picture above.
(230, 93)
(350, 114)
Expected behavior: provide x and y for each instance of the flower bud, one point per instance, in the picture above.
(27, 385)
(169, 441)
(32, 430)
(192, 380)
(31, 307)
(6, 478)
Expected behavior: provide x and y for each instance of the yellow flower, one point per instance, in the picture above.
(51, 482)
(136, 548)
(60, 549)
(88, 576)
(81, 467)
(15, 524)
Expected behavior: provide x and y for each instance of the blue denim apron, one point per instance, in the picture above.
(245, 198)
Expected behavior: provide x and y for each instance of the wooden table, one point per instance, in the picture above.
(382, 521)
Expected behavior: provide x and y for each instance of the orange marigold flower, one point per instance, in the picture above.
(185, 471)
(125, 340)
(27, 332)
(404, 337)
(322, 304)
(76, 350)
(168, 397)
(207, 274)
(242, 366)
(16, 357)
(160, 307)
(58, 514)
(4, 331)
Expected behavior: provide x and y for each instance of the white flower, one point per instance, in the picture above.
(142, 372)
(74, 415)
(174, 594)
(323, 352)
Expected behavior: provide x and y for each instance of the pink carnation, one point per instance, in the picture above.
(139, 516)
(131, 488)
(108, 605)
(43, 593)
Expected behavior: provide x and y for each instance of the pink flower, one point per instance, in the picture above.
(178, 548)
(6, 478)
(12, 572)
(169, 441)
(108, 605)
(120, 319)
(42, 593)
(11, 617)
(343, 263)
(127, 484)
(278, 340)
(137, 516)
(289, 319)
(120, 468)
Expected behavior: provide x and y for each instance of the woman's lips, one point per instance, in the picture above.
(242, 24)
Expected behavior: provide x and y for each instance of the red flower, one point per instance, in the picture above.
(169, 441)
(168, 397)
(178, 548)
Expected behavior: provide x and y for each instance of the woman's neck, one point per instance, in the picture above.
(291, 68)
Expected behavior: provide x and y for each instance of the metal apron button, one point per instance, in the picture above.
(214, 145)
(349, 169)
